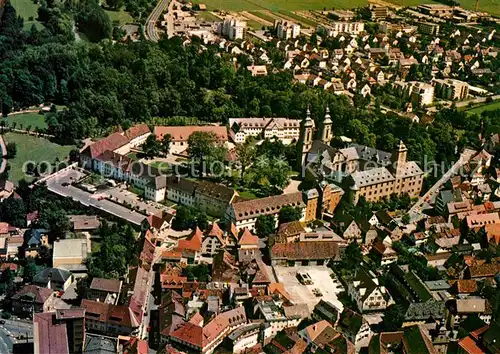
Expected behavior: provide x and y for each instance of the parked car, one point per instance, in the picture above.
(304, 278)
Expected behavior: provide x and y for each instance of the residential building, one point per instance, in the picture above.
(369, 295)
(286, 30)
(84, 223)
(335, 28)
(120, 143)
(355, 328)
(211, 198)
(233, 28)
(54, 279)
(62, 331)
(257, 70)
(284, 129)
(195, 337)
(244, 214)
(419, 93)
(109, 319)
(105, 290)
(213, 241)
(122, 168)
(70, 254)
(32, 298)
(451, 89)
(430, 28)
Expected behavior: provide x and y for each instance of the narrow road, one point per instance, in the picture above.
(151, 32)
(431, 193)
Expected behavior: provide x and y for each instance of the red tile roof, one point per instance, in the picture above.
(193, 243)
(111, 142)
(469, 346)
(466, 286)
(137, 131)
(266, 206)
(248, 239)
(215, 231)
(106, 313)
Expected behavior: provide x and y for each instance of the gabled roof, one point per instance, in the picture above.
(266, 206)
(108, 285)
(111, 142)
(193, 242)
(247, 239)
(306, 250)
(137, 131)
(215, 231)
(38, 294)
(416, 341)
(50, 336)
(112, 314)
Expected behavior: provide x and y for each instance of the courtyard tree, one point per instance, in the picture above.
(265, 225)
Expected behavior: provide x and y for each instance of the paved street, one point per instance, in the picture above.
(415, 211)
(124, 195)
(13, 331)
(151, 32)
(59, 184)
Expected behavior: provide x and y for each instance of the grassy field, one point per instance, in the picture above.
(487, 107)
(254, 24)
(301, 20)
(121, 16)
(27, 9)
(31, 148)
(27, 119)
(207, 16)
(277, 5)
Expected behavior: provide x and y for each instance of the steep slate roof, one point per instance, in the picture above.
(55, 274)
(266, 206)
(415, 341)
(428, 310)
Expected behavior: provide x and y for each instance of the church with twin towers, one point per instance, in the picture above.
(372, 174)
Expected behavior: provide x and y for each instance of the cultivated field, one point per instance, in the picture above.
(487, 107)
(286, 6)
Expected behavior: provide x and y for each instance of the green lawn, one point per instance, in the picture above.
(486, 107)
(121, 16)
(247, 195)
(27, 9)
(31, 148)
(27, 119)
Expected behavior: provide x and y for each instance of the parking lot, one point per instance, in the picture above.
(303, 294)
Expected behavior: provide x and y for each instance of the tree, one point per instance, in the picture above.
(245, 154)
(199, 272)
(94, 22)
(393, 318)
(288, 213)
(30, 270)
(265, 225)
(13, 211)
(187, 217)
(152, 146)
(74, 155)
(166, 142)
(200, 146)
(7, 286)
(406, 219)
(11, 150)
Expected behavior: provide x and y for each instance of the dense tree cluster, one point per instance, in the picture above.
(117, 249)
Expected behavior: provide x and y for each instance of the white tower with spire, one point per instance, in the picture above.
(306, 135)
(327, 132)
